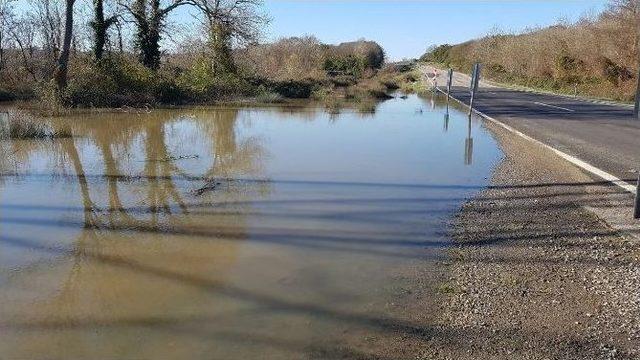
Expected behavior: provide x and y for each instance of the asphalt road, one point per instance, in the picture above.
(604, 135)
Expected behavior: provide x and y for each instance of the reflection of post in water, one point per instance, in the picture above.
(468, 146)
(446, 122)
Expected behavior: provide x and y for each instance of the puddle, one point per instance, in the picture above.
(280, 233)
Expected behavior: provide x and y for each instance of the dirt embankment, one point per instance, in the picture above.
(535, 275)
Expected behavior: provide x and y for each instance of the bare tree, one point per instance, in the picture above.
(22, 33)
(47, 16)
(60, 75)
(5, 24)
(228, 21)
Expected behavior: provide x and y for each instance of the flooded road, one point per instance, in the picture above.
(232, 233)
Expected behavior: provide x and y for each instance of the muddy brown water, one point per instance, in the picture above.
(231, 233)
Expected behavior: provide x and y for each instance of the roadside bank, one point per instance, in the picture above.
(534, 273)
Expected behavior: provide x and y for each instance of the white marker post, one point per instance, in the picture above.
(449, 81)
(475, 77)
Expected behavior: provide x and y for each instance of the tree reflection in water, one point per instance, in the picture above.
(136, 177)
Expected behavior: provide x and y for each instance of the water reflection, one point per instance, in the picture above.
(468, 146)
(226, 233)
(445, 125)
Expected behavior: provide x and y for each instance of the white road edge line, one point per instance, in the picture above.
(552, 106)
(570, 158)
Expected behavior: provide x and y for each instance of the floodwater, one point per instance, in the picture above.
(232, 233)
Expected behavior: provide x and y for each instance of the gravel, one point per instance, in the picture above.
(537, 271)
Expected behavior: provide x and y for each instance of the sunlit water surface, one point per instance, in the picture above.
(275, 233)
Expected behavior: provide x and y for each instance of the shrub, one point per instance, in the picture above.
(267, 96)
(370, 52)
(201, 83)
(437, 54)
(91, 86)
(345, 65)
(50, 101)
(295, 89)
(613, 72)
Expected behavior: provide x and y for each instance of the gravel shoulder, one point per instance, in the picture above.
(536, 273)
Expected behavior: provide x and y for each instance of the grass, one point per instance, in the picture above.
(22, 125)
(269, 97)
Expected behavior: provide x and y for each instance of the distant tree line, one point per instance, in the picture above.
(129, 52)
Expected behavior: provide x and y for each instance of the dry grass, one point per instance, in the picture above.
(19, 124)
(598, 54)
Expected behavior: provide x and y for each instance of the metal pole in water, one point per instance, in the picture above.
(473, 76)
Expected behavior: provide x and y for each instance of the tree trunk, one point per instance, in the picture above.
(60, 75)
(100, 26)
(222, 60)
(149, 18)
(99, 29)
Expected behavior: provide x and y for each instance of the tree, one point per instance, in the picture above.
(5, 25)
(100, 26)
(228, 21)
(47, 17)
(150, 17)
(23, 33)
(60, 75)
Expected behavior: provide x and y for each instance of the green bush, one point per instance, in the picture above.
(92, 87)
(295, 89)
(201, 83)
(345, 65)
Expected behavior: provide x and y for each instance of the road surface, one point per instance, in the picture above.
(602, 134)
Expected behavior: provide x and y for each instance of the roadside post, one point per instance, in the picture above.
(475, 77)
(449, 80)
(636, 204)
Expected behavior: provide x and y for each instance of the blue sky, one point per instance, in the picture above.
(407, 28)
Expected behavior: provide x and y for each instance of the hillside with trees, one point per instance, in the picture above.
(598, 55)
(112, 53)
